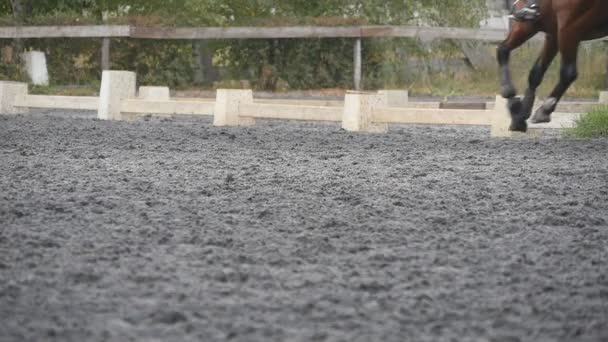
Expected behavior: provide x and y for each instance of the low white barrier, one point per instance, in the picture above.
(290, 112)
(359, 112)
(362, 112)
(168, 107)
(57, 102)
(154, 93)
(433, 116)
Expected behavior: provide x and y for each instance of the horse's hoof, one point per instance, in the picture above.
(540, 117)
(515, 107)
(518, 126)
(543, 114)
(508, 91)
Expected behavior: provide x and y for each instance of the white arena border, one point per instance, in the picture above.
(360, 111)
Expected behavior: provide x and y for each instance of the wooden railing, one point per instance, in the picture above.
(196, 33)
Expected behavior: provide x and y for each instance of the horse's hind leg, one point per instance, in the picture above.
(537, 74)
(519, 35)
(568, 47)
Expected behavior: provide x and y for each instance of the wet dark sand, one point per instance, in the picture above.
(173, 230)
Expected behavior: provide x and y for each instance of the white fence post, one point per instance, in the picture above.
(604, 97)
(115, 86)
(9, 91)
(501, 119)
(227, 107)
(396, 98)
(359, 112)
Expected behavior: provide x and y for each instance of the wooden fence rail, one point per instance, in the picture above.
(253, 32)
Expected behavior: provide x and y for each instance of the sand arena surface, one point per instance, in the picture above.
(173, 230)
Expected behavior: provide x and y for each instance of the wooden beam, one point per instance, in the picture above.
(244, 32)
(198, 33)
(99, 31)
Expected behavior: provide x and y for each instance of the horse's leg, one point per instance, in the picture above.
(568, 47)
(537, 74)
(519, 35)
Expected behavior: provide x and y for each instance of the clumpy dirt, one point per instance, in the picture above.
(173, 230)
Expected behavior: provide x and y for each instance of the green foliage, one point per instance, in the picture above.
(64, 91)
(593, 124)
(11, 72)
(156, 63)
(239, 12)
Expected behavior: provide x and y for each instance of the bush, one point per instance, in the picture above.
(593, 124)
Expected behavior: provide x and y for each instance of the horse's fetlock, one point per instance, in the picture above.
(508, 91)
(549, 105)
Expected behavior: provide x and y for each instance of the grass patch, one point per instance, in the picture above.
(64, 91)
(593, 124)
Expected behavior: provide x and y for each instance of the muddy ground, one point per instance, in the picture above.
(173, 230)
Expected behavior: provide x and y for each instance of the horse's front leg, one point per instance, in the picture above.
(537, 74)
(568, 74)
(503, 54)
(519, 35)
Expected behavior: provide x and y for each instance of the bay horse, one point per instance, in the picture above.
(566, 23)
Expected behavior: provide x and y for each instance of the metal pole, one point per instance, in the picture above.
(357, 60)
(606, 81)
(106, 64)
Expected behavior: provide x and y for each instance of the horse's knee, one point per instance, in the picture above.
(568, 73)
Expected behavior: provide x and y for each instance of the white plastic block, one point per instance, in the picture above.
(9, 91)
(501, 119)
(115, 87)
(227, 107)
(154, 93)
(35, 66)
(359, 112)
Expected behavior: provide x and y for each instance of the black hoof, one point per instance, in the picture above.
(518, 121)
(540, 118)
(518, 126)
